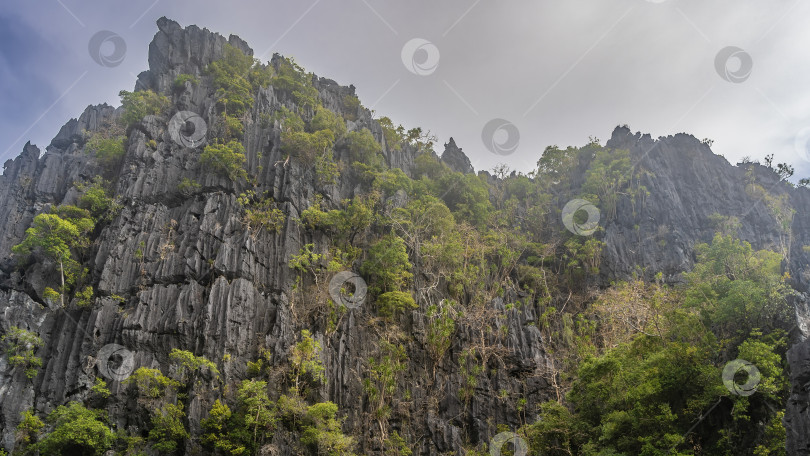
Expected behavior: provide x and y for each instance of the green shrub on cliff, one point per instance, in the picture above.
(107, 150)
(293, 79)
(21, 346)
(364, 148)
(28, 431)
(387, 266)
(225, 159)
(231, 81)
(53, 236)
(138, 105)
(322, 431)
(181, 80)
(168, 432)
(77, 430)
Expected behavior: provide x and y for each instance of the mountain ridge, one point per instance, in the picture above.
(203, 282)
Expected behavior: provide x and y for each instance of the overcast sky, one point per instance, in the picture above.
(556, 72)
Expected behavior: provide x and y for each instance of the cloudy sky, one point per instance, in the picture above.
(555, 71)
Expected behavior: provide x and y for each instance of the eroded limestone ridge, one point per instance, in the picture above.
(177, 267)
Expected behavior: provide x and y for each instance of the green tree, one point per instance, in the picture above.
(394, 136)
(554, 433)
(440, 329)
(307, 146)
(764, 353)
(52, 237)
(556, 166)
(84, 298)
(428, 166)
(51, 296)
(259, 413)
(322, 431)
(181, 80)
(96, 199)
(100, 388)
(76, 430)
(306, 361)
(364, 148)
(218, 431)
(188, 364)
(423, 220)
(168, 431)
(294, 80)
(737, 289)
(21, 346)
(382, 378)
(467, 196)
(356, 216)
(151, 383)
(188, 187)
(387, 265)
(231, 76)
(289, 120)
(392, 303)
(351, 104)
(325, 119)
(420, 140)
(326, 170)
(397, 446)
(27, 431)
(661, 357)
(641, 397)
(389, 181)
(261, 213)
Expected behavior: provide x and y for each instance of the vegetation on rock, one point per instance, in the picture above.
(454, 273)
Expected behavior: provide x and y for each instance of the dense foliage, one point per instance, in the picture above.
(76, 430)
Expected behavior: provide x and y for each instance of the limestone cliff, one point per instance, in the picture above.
(179, 269)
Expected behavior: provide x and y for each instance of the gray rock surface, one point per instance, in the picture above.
(455, 158)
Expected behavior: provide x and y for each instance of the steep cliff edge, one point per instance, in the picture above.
(179, 268)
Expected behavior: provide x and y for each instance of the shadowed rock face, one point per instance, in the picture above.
(193, 277)
(455, 158)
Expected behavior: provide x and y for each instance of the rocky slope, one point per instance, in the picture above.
(192, 276)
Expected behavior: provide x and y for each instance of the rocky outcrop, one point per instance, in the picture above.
(687, 184)
(179, 269)
(456, 159)
(176, 50)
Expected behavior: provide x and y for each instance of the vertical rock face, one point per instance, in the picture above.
(178, 270)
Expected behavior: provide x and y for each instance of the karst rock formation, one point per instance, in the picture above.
(180, 269)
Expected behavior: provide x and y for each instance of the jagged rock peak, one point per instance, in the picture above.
(176, 50)
(622, 136)
(456, 159)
